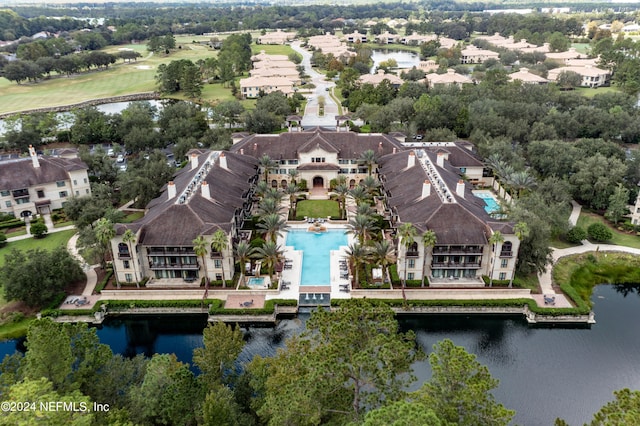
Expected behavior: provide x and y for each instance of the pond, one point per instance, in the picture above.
(404, 58)
(544, 373)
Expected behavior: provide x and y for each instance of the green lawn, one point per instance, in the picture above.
(527, 281)
(49, 242)
(132, 217)
(590, 93)
(272, 49)
(317, 208)
(561, 244)
(619, 238)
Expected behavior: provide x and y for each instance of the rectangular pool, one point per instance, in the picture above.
(255, 282)
(490, 201)
(316, 247)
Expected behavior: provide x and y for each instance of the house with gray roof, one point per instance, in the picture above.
(213, 192)
(39, 184)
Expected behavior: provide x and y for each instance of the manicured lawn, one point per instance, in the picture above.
(48, 243)
(619, 238)
(527, 281)
(272, 49)
(590, 93)
(132, 217)
(561, 244)
(317, 208)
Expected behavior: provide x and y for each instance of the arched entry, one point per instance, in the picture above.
(318, 182)
(26, 213)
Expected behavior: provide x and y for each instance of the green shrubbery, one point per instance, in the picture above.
(599, 232)
(576, 235)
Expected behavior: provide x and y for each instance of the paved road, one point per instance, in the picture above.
(311, 117)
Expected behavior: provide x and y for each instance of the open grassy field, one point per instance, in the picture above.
(272, 49)
(50, 242)
(590, 93)
(119, 79)
(317, 208)
(619, 238)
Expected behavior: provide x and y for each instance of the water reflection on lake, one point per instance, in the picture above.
(405, 59)
(544, 372)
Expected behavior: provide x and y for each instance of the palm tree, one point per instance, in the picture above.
(129, 237)
(268, 206)
(200, 248)
(261, 188)
(292, 191)
(272, 226)
(368, 158)
(365, 209)
(293, 174)
(362, 226)
(342, 191)
(407, 233)
(243, 254)
(521, 180)
(274, 194)
(370, 184)
(104, 233)
(383, 254)
(495, 239)
(220, 243)
(358, 254)
(429, 239)
(521, 229)
(266, 164)
(271, 255)
(359, 194)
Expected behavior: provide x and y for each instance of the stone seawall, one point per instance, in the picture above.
(144, 96)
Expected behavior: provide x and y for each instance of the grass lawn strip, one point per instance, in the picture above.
(317, 208)
(50, 242)
(619, 238)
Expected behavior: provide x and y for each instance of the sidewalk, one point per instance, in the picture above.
(545, 278)
(89, 270)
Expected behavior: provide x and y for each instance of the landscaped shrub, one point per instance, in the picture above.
(12, 223)
(302, 184)
(3, 239)
(599, 232)
(104, 282)
(38, 229)
(576, 234)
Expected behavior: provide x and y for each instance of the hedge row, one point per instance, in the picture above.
(11, 224)
(101, 285)
(269, 307)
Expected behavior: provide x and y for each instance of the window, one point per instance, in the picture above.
(75, 182)
(5, 193)
(282, 171)
(126, 264)
(60, 183)
(504, 263)
(343, 161)
(77, 192)
(24, 200)
(86, 190)
(410, 275)
(62, 194)
(40, 193)
(218, 277)
(293, 162)
(217, 263)
(411, 263)
(85, 180)
(128, 277)
(7, 203)
(503, 276)
(463, 170)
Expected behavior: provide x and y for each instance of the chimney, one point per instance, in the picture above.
(411, 160)
(426, 189)
(223, 161)
(460, 188)
(440, 159)
(205, 190)
(34, 156)
(394, 150)
(194, 161)
(171, 190)
(241, 151)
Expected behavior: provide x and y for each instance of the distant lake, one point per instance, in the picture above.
(404, 58)
(544, 372)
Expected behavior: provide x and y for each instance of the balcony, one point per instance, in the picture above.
(173, 251)
(470, 265)
(124, 255)
(413, 254)
(18, 193)
(457, 250)
(506, 254)
(216, 255)
(189, 266)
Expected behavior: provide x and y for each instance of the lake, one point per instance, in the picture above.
(404, 58)
(544, 372)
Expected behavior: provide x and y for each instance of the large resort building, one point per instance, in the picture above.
(421, 184)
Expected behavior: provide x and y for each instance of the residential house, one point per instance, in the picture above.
(424, 189)
(355, 37)
(252, 87)
(277, 37)
(591, 76)
(527, 77)
(474, 55)
(448, 79)
(214, 192)
(39, 184)
(387, 38)
(563, 57)
(379, 77)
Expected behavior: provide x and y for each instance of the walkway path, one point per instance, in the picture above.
(545, 278)
(90, 270)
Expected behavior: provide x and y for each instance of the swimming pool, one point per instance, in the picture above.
(490, 201)
(316, 268)
(256, 282)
